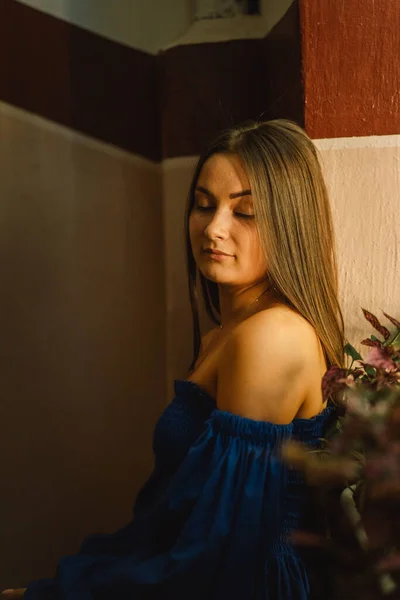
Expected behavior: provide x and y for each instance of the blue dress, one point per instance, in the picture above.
(211, 523)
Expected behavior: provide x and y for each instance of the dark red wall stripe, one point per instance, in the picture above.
(153, 106)
(335, 70)
(351, 62)
(207, 87)
(79, 79)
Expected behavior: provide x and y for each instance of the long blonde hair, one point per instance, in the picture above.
(294, 222)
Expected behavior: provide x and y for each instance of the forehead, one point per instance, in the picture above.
(223, 172)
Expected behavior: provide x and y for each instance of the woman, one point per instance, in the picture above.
(214, 519)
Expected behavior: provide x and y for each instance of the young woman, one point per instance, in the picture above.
(214, 519)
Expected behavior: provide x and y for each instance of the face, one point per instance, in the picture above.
(223, 232)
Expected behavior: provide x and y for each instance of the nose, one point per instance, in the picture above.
(218, 226)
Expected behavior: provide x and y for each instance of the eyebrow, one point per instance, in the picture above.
(207, 192)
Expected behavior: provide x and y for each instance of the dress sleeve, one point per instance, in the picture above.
(216, 533)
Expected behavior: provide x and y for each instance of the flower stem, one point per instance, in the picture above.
(349, 369)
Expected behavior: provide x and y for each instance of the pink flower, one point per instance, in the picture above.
(380, 359)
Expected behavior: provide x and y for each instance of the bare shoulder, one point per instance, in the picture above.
(269, 365)
(280, 327)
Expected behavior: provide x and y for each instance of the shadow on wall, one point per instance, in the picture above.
(82, 322)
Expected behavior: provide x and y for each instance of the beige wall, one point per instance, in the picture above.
(363, 175)
(82, 321)
(177, 173)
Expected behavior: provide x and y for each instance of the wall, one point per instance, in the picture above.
(177, 174)
(82, 324)
(151, 26)
(236, 28)
(363, 177)
(351, 77)
(146, 26)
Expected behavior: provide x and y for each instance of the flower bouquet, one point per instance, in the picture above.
(355, 475)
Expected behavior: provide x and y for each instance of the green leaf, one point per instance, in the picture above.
(373, 337)
(351, 351)
(370, 371)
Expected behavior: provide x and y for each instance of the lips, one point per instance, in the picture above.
(216, 252)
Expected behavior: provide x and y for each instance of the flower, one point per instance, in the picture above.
(380, 358)
(361, 460)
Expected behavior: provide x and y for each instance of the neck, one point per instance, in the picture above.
(233, 301)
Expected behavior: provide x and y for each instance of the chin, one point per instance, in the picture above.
(215, 274)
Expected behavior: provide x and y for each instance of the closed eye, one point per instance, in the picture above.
(243, 216)
(237, 214)
(205, 208)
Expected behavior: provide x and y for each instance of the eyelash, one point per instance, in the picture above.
(209, 208)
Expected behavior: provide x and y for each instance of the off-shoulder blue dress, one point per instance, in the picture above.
(211, 523)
